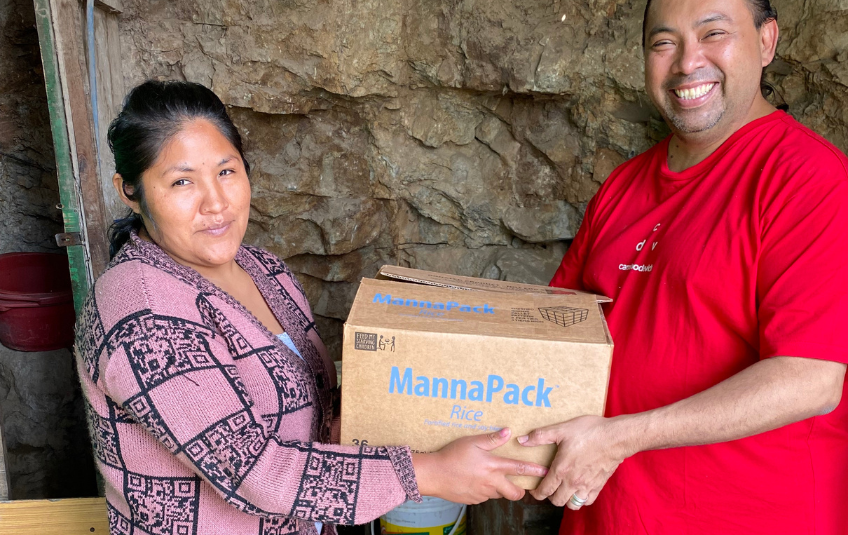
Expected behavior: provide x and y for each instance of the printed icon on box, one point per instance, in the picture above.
(385, 343)
(564, 316)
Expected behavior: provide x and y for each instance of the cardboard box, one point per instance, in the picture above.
(426, 361)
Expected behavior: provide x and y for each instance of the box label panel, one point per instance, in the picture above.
(365, 341)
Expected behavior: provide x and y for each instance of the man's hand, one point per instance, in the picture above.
(769, 394)
(588, 453)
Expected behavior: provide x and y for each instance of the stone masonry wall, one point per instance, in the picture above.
(453, 135)
(40, 402)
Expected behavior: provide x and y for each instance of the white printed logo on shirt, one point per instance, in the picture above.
(642, 268)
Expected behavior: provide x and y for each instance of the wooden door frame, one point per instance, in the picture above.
(81, 174)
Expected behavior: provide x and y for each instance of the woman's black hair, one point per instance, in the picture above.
(153, 113)
(761, 9)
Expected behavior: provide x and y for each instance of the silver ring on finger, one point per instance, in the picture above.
(576, 501)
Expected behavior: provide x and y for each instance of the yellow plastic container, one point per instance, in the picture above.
(433, 516)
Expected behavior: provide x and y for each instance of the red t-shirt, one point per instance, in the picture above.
(739, 258)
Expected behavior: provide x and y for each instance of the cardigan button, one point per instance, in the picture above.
(319, 380)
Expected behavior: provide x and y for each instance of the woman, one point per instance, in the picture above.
(208, 388)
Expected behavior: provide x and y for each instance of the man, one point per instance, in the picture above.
(723, 248)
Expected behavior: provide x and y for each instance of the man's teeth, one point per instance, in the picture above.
(694, 92)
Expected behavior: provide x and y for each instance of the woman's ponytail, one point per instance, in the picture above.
(119, 232)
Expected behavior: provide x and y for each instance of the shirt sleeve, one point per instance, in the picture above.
(569, 274)
(178, 379)
(802, 276)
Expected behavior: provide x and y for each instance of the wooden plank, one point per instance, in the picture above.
(110, 95)
(5, 483)
(88, 210)
(75, 516)
(68, 194)
(68, 30)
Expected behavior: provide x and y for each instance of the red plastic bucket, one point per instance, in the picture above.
(36, 302)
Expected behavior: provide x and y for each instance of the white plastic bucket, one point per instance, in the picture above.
(433, 516)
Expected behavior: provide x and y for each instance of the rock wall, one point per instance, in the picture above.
(29, 191)
(442, 135)
(453, 135)
(40, 403)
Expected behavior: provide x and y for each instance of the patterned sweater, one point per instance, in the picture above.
(203, 422)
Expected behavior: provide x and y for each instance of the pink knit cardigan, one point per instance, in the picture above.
(203, 422)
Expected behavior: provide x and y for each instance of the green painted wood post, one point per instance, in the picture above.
(81, 276)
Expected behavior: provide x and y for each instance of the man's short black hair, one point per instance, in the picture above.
(761, 9)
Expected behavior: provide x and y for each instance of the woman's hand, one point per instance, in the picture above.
(465, 471)
(588, 452)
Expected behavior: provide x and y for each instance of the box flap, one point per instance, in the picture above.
(567, 317)
(459, 282)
